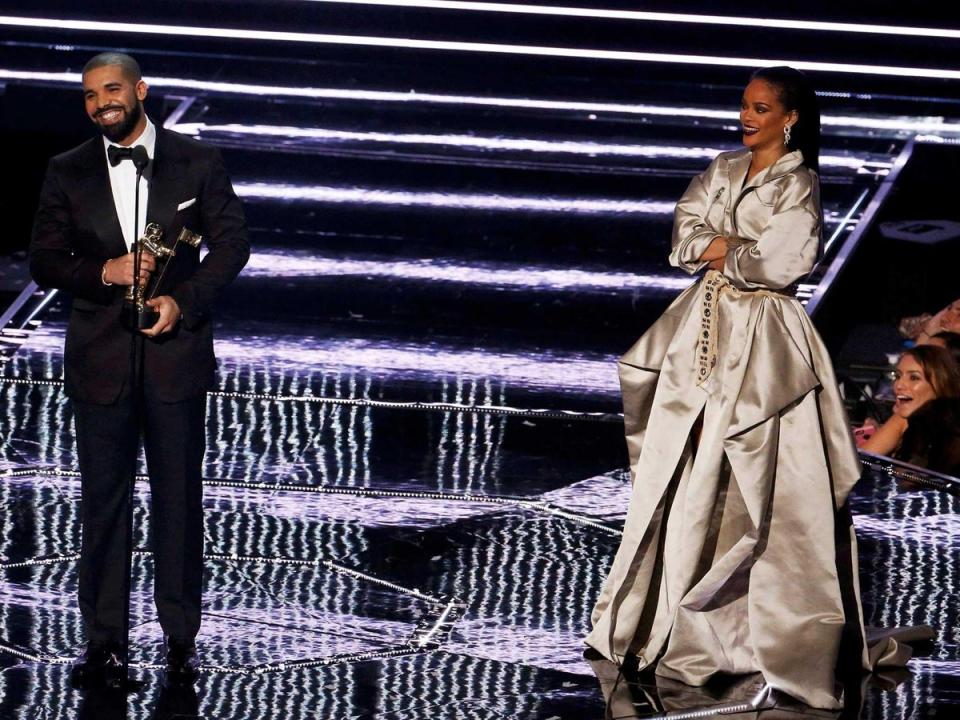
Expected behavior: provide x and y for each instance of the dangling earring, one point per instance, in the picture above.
(786, 135)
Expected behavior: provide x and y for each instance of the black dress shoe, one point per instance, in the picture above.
(100, 666)
(183, 663)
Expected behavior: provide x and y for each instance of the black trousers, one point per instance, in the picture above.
(108, 439)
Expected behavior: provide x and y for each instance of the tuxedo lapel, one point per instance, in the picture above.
(97, 198)
(167, 169)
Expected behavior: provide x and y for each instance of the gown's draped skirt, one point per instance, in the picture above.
(729, 561)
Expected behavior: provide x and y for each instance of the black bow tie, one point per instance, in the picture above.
(117, 154)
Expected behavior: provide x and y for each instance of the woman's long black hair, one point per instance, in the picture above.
(796, 93)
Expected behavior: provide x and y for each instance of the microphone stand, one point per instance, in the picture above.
(140, 160)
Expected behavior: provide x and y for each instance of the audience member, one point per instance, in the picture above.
(948, 340)
(923, 374)
(922, 327)
(932, 437)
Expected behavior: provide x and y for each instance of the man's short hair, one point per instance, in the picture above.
(129, 66)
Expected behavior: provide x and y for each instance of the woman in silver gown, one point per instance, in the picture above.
(740, 449)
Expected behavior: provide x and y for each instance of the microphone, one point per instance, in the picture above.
(140, 158)
(140, 161)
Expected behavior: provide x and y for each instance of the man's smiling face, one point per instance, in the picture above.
(114, 103)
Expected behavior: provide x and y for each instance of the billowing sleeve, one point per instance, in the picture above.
(692, 232)
(789, 244)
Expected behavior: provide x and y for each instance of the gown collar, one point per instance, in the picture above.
(740, 165)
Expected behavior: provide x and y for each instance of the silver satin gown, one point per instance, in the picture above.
(728, 561)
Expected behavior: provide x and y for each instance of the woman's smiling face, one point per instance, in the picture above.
(763, 116)
(911, 386)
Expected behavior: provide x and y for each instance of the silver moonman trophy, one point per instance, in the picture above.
(136, 315)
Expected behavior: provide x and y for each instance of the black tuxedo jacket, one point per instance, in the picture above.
(76, 230)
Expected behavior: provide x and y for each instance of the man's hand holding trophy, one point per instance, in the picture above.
(144, 309)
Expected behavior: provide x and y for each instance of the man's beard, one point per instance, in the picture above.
(119, 130)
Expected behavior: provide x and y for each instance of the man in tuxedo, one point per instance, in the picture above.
(82, 240)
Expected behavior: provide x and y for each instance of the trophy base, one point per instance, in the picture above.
(135, 319)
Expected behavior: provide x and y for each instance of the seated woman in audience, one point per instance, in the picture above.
(923, 374)
(932, 438)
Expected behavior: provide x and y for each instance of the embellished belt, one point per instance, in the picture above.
(715, 283)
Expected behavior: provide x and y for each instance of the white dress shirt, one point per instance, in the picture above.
(123, 178)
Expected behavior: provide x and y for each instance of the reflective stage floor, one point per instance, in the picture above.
(428, 556)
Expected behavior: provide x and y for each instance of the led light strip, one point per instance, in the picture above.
(456, 201)
(911, 473)
(522, 277)
(61, 24)
(927, 125)
(519, 144)
(31, 657)
(575, 147)
(557, 414)
(395, 652)
(39, 562)
(602, 14)
(846, 222)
